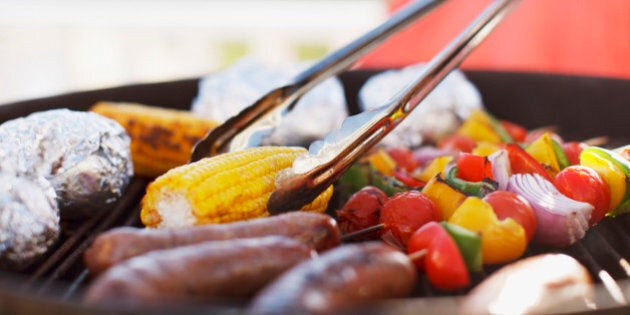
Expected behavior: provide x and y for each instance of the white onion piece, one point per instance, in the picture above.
(561, 221)
(501, 169)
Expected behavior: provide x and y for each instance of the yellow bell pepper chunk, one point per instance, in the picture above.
(436, 166)
(501, 240)
(382, 162)
(484, 148)
(479, 128)
(542, 151)
(611, 174)
(445, 197)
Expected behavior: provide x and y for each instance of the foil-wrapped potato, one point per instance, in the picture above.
(29, 220)
(225, 93)
(438, 114)
(85, 157)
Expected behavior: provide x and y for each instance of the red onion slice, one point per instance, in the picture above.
(501, 169)
(561, 221)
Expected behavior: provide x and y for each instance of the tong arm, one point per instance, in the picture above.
(327, 160)
(247, 128)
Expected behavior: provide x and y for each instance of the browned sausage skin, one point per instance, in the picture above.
(317, 230)
(216, 269)
(339, 279)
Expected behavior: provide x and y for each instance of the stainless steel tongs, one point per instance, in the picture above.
(329, 158)
(246, 129)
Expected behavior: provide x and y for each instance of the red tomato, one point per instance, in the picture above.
(523, 163)
(517, 132)
(404, 213)
(404, 158)
(507, 204)
(572, 150)
(582, 183)
(443, 263)
(456, 142)
(361, 211)
(472, 167)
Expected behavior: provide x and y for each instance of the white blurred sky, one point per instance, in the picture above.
(53, 47)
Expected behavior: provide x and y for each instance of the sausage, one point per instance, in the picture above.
(337, 280)
(317, 230)
(214, 269)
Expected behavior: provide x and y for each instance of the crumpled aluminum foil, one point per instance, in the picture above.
(438, 114)
(225, 93)
(85, 156)
(29, 220)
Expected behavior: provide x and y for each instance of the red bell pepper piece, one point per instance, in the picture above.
(404, 158)
(523, 163)
(516, 131)
(472, 167)
(443, 263)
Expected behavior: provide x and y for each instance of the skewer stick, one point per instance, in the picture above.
(347, 237)
(418, 254)
(352, 235)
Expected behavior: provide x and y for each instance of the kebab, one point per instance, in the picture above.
(352, 216)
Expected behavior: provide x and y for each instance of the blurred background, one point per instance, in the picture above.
(49, 47)
(53, 47)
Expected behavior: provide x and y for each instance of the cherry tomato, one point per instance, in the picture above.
(507, 204)
(582, 183)
(443, 263)
(517, 132)
(361, 211)
(572, 150)
(472, 167)
(404, 213)
(523, 163)
(456, 142)
(404, 158)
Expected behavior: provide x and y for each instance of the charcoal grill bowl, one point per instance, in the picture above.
(581, 107)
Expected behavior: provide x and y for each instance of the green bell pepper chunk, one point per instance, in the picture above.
(561, 156)
(477, 189)
(469, 244)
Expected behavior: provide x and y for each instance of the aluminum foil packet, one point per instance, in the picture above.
(29, 220)
(225, 93)
(438, 114)
(85, 157)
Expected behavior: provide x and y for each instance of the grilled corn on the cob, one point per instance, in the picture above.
(228, 187)
(161, 138)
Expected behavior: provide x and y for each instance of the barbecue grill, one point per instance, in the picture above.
(581, 108)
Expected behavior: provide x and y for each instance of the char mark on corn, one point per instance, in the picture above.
(161, 138)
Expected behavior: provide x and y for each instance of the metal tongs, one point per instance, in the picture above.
(329, 158)
(247, 128)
